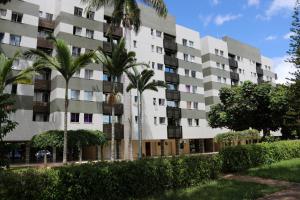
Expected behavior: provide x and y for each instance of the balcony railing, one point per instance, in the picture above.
(107, 109)
(42, 42)
(174, 132)
(233, 63)
(260, 71)
(171, 77)
(108, 87)
(41, 107)
(119, 131)
(173, 112)
(42, 85)
(46, 23)
(234, 76)
(107, 47)
(116, 31)
(170, 45)
(172, 61)
(173, 95)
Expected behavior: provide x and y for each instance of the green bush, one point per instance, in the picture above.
(118, 180)
(242, 157)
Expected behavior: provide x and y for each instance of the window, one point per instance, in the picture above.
(74, 117)
(239, 58)
(197, 122)
(224, 80)
(158, 33)
(75, 94)
(184, 42)
(219, 78)
(90, 34)
(171, 86)
(154, 101)
(193, 74)
(169, 69)
(88, 95)
(40, 117)
(188, 105)
(155, 120)
(194, 89)
(187, 72)
(136, 119)
(162, 120)
(76, 51)
(14, 88)
(160, 66)
(152, 32)
(41, 97)
(90, 15)
(49, 16)
(223, 66)
(15, 40)
(172, 104)
(221, 53)
(240, 70)
(3, 12)
(88, 118)
(77, 30)
(16, 17)
(1, 37)
(78, 11)
(134, 43)
(88, 74)
(190, 122)
(218, 65)
(153, 65)
(161, 102)
(195, 105)
(159, 50)
(192, 58)
(187, 88)
(191, 43)
(185, 57)
(152, 48)
(135, 99)
(216, 51)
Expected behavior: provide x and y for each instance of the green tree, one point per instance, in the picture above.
(4, 1)
(67, 65)
(261, 107)
(294, 50)
(116, 64)
(142, 82)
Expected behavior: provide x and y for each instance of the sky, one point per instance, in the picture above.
(264, 24)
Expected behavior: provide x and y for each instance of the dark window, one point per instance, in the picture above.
(160, 66)
(16, 17)
(1, 37)
(88, 118)
(193, 74)
(169, 69)
(78, 11)
(14, 89)
(76, 51)
(90, 15)
(15, 40)
(74, 117)
(49, 16)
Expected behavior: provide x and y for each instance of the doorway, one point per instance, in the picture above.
(148, 149)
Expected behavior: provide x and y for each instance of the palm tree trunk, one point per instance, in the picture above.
(112, 133)
(65, 124)
(140, 124)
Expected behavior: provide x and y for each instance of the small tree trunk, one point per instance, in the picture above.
(139, 126)
(54, 154)
(45, 160)
(112, 157)
(80, 152)
(66, 124)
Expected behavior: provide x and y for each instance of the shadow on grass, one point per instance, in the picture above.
(219, 190)
(288, 170)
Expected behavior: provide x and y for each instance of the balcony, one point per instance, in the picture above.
(108, 87)
(174, 132)
(260, 81)
(171, 77)
(46, 23)
(234, 76)
(119, 131)
(107, 47)
(173, 112)
(117, 31)
(259, 71)
(172, 61)
(41, 107)
(173, 95)
(42, 85)
(170, 44)
(107, 109)
(233, 63)
(44, 43)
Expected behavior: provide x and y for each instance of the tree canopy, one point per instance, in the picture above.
(260, 107)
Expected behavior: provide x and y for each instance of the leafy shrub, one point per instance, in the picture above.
(242, 157)
(118, 180)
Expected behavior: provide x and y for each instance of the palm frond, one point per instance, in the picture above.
(159, 6)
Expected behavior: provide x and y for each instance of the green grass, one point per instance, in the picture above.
(288, 170)
(219, 190)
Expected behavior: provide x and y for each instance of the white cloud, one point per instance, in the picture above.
(276, 7)
(283, 69)
(271, 37)
(215, 2)
(288, 35)
(253, 2)
(221, 19)
(205, 19)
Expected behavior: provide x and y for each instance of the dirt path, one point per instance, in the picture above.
(292, 191)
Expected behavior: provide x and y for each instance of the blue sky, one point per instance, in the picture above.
(261, 23)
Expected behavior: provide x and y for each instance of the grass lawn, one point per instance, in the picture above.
(288, 170)
(219, 190)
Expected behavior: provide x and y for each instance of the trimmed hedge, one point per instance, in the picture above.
(243, 157)
(118, 180)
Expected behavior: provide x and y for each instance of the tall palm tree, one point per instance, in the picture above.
(6, 72)
(116, 64)
(142, 82)
(67, 65)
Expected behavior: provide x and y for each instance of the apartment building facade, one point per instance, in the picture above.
(174, 120)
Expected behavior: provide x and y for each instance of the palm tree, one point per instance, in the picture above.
(67, 65)
(6, 72)
(141, 82)
(116, 64)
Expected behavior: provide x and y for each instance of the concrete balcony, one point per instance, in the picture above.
(108, 87)
(174, 132)
(45, 23)
(171, 77)
(173, 112)
(107, 109)
(107, 47)
(41, 107)
(119, 131)
(173, 95)
(233, 63)
(170, 45)
(116, 31)
(171, 61)
(234, 76)
(42, 85)
(44, 43)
